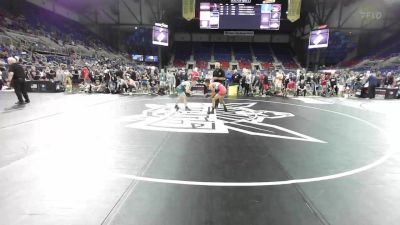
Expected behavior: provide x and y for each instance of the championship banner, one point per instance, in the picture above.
(188, 9)
(294, 10)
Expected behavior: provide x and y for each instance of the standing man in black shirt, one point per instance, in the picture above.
(301, 87)
(16, 75)
(219, 74)
(333, 83)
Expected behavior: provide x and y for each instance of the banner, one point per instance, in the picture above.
(188, 9)
(239, 33)
(294, 10)
(240, 1)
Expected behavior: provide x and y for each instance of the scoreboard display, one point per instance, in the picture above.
(138, 58)
(240, 16)
(160, 34)
(319, 39)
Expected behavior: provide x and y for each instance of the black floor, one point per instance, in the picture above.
(103, 159)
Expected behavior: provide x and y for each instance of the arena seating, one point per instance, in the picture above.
(284, 54)
(340, 44)
(224, 65)
(222, 52)
(390, 68)
(182, 52)
(202, 54)
(380, 54)
(263, 55)
(202, 64)
(393, 50)
(42, 38)
(267, 65)
(244, 64)
(351, 62)
(202, 51)
(242, 52)
(179, 63)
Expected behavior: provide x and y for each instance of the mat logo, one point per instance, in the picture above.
(241, 117)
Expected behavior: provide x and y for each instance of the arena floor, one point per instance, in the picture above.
(119, 160)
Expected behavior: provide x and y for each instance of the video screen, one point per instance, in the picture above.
(138, 58)
(151, 58)
(240, 16)
(160, 35)
(319, 39)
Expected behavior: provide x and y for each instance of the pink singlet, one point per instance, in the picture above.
(221, 89)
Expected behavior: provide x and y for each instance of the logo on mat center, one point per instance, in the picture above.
(239, 118)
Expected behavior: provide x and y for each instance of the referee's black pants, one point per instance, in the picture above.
(20, 89)
(371, 91)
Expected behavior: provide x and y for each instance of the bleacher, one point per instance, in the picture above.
(284, 54)
(202, 54)
(225, 65)
(182, 52)
(393, 50)
(263, 55)
(379, 55)
(202, 51)
(242, 54)
(222, 52)
(242, 51)
(202, 64)
(46, 37)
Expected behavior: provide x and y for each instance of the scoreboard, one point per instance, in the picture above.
(240, 16)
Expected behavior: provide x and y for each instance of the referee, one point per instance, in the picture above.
(16, 75)
(219, 74)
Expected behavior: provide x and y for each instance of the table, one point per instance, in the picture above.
(44, 86)
(380, 93)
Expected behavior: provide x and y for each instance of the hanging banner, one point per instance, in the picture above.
(188, 9)
(294, 10)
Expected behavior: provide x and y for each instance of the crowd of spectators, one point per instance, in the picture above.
(102, 74)
(296, 83)
(117, 76)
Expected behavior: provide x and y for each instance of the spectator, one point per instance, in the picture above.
(236, 77)
(301, 87)
(85, 74)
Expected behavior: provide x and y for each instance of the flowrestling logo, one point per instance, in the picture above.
(241, 117)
